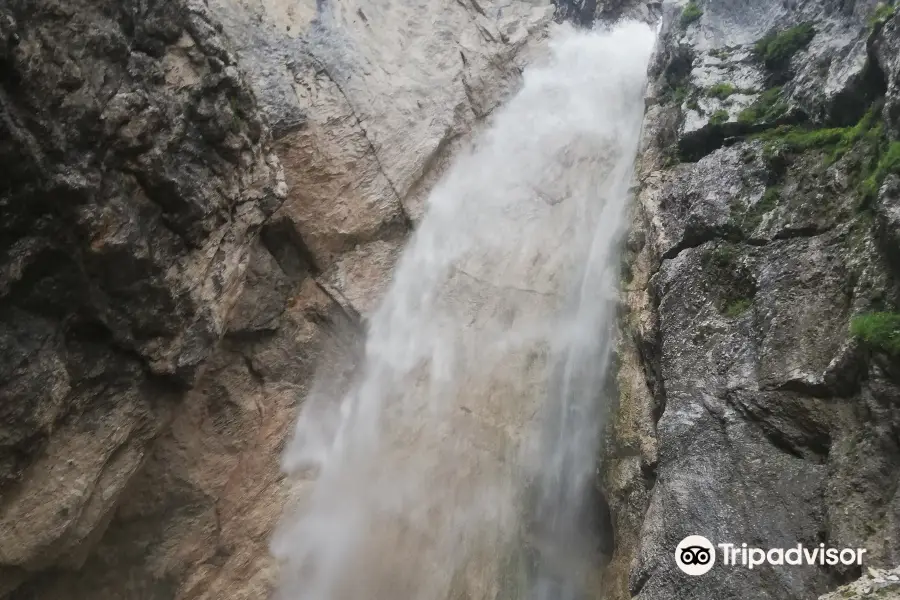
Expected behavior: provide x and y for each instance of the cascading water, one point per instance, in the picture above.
(459, 462)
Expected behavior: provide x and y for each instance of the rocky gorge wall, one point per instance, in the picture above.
(202, 202)
(758, 393)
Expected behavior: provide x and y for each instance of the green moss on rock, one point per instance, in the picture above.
(721, 90)
(878, 330)
(732, 281)
(736, 308)
(888, 163)
(691, 13)
(768, 107)
(777, 48)
(719, 117)
(883, 12)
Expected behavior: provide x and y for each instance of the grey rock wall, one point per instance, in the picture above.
(763, 225)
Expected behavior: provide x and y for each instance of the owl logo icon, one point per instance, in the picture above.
(695, 555)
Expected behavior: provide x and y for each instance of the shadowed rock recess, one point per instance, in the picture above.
(758, 403)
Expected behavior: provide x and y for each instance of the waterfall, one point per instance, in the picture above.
(458, 462)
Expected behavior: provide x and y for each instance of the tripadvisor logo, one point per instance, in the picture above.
(696, 555)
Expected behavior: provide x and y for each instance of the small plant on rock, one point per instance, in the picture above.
(768, 107)
(883, 12)
(777, 48)
(732, 281)
(719, 117)
(888, 164)
(879, 330)
(721, 90)
(691, 13)
(737, 307)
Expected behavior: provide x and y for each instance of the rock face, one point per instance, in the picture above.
(876, 583)
(765, 224)
(202, 202)
(138, 172)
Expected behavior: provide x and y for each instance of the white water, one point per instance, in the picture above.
(458, 464)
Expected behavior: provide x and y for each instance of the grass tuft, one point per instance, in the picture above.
(883, 12)
(691, 13)
(719, 117)
(777, 48)
(879, 330)
(737, 307)
(721, 90)
(768, 107)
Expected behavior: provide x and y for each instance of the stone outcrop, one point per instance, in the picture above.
(875, 583)
(138, 171)
(203, 202)
(764, 229)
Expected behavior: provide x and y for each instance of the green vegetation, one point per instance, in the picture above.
(768, 107)
(721, 90)
(723, 257)
(691, 13)
(840, 140)
(879, 330)
(737, 307)
(872, 158)
(888, 163)
(777, 48)
(882, 13)
(719, 117)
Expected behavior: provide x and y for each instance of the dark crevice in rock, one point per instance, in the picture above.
(250, 336)
(849, 106)
(789, 233)
(706, 140)
(649, 349)
(341, 303)
(733, 235)
(813, 390)
(599, 522)
(580, 12)
(281, 238)
(636, 584)
(804, 444)
(687, 243)
(697, 144)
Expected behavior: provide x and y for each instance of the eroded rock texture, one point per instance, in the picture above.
(765, 221)
(201, 203)
(137, 171)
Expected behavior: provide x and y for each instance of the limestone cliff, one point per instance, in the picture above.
(759, 385)
(202, 201)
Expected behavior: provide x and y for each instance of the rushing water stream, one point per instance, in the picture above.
(459, 463)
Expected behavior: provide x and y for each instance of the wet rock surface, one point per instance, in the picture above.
(750, 411)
